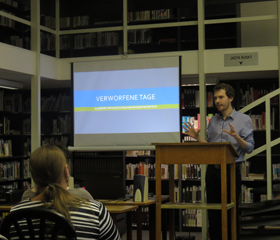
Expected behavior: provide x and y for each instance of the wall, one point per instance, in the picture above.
(259, 33)
(22, 61)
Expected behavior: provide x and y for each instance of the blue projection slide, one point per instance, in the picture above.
(92, 100)
(148, 105)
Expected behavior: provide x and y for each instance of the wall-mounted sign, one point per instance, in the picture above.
(241, 59)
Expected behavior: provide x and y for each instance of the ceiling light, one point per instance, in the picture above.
(10, 84)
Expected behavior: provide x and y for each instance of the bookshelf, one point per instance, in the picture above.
(14, 166)
(260, 220)
(56, 117)
(13, 32)
(143, 162)
(100, 34)
(177, 26)
(15, 131)
(146, 28)
(139, 162)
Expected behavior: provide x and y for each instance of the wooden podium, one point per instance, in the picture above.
(196, 153)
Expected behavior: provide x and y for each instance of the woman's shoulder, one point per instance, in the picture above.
(93, 206)
(80, 192)
(93, 203)
(27, 204)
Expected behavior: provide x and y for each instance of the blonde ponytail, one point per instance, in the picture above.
(47, 164)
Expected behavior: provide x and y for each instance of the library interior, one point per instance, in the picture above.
(120, 85)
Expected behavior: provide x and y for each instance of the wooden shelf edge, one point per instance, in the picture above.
(213, 206)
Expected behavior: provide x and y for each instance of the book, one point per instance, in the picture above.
(256, 176)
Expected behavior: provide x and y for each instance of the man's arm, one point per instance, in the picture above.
(242, 143)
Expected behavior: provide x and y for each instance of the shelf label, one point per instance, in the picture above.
(241, 59)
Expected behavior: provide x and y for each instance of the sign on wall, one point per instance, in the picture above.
(241, 59)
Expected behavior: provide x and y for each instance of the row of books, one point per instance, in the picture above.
(10, 102)
(142, 168)
(150, 15)
(247, 195)
(247, 175)
(60, 125)
(5, 127)
(61, 141)
(276, 171)
(190, 98)
(89, 40)
(250, 95)
(26, 126)
(26, 107)
(74, 22)
(91, 162)
(47, 41)
(129, 190)
(10, 170)
(55, 103)
(255, 176)
(47, 21)
(191, 194)
(245, 170)
(259, 120)
(192, 217)
(136, 153)
(10, 2)
(145, 217)
(11, 185)
(14, 185)
(26, 169)
(6, 148)
(18, 41)
(66, 42)
(139, 36)
(27, 147)
(7, 22)
(189, 171)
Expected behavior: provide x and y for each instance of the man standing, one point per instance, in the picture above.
(229, 126)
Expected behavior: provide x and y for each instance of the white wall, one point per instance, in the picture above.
(259, 33)
(267, 60)
(17, 59)
(22, 61)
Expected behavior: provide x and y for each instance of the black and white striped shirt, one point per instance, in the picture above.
(91, 220)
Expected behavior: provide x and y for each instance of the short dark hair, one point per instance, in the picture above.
(230, 92)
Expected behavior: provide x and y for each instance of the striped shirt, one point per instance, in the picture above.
(91, 220)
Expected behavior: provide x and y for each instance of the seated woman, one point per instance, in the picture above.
(79, 192)
(50, 173)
